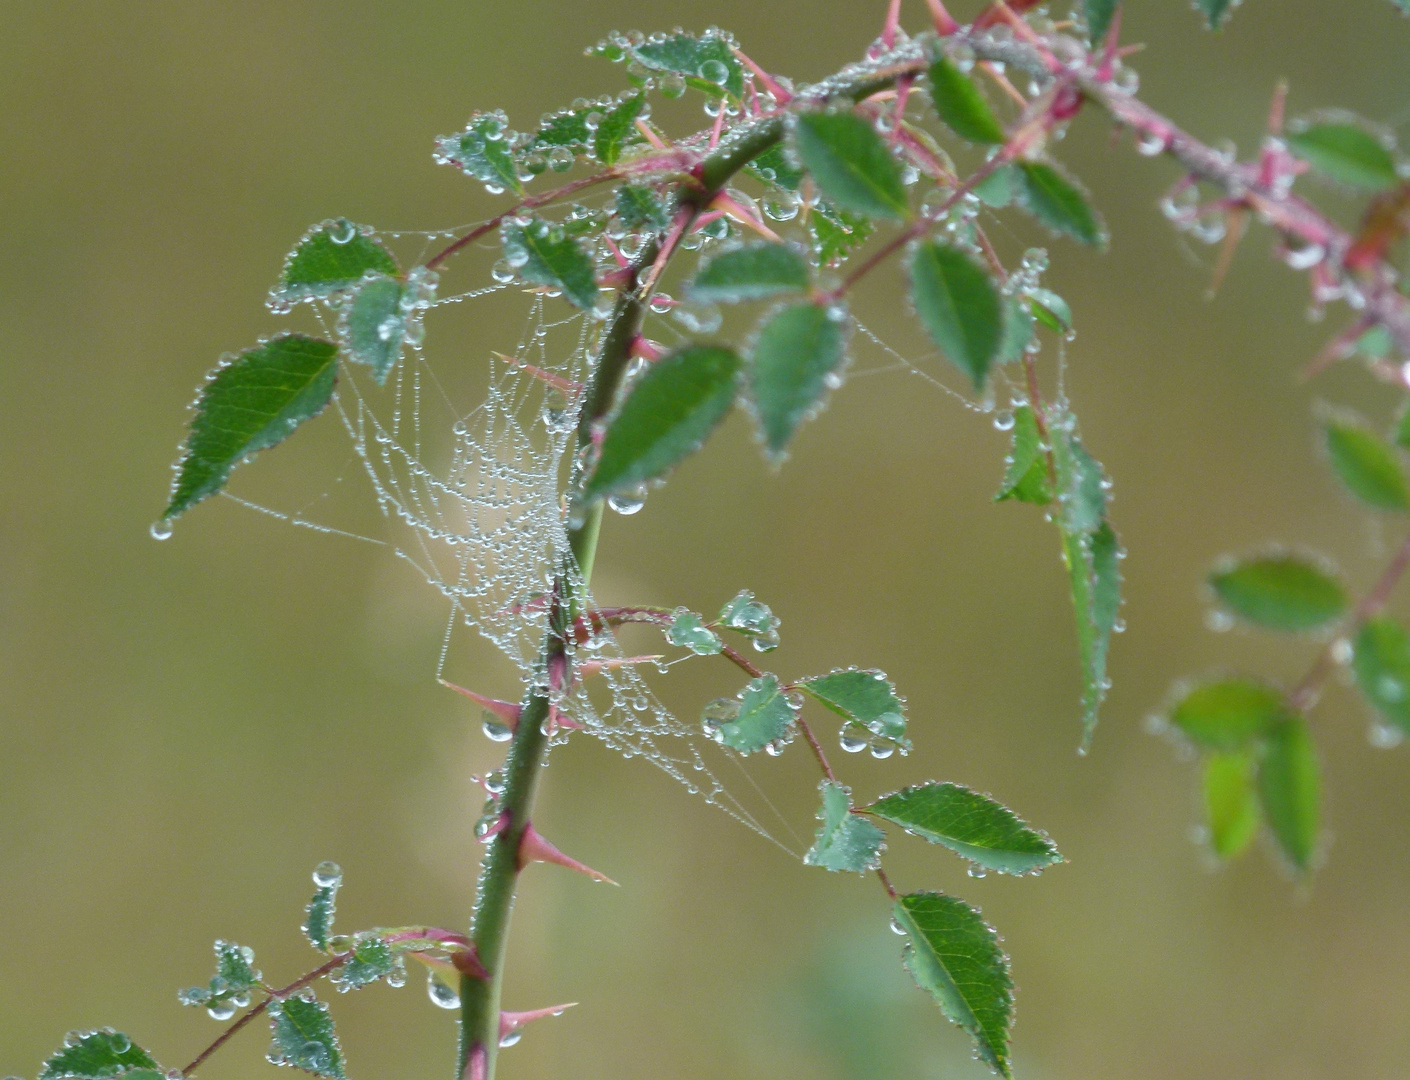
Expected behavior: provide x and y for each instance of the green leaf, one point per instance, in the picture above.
(850, 164)
(318, 916)
(1095, 578)
(1230, 714)
(796, 355)
(707, 62)
(954, 955)
(753, 272)
(304, 1037)
(1230, 802)
(973, 826)
(640, 209)
(97, 1055)
(836, 233)
(748, 616)
(1289, 787)
(1281, 592)
(1000, 188)
(667, 416)
(566, 128)
(760, 715)
(773, 167)
(1345, 153)
(1081, 493)
(1098, 14)
(688, 630)
(1026, 474)
(959, 307)
(234, 969)
(865, 697)
(1368, 467)
(483, 150)
(331, 257)
(1018, 330)
(543, 254)
(1050, 309)
(1216, 11)
(845, 841)
(1058, 203)
(617, 129)
(960, 105)
(1381, 661)
(372, 959)
(252, 403)
(372, 326)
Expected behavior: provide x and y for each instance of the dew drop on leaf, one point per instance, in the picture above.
(497, 732)
(441, 994)
(161, 530)
(327, 874)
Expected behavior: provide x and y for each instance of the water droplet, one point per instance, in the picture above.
(627, 503)
(1342, 651)
(327, 874)
(222, 1009)
(161, 529)
(853, 738)
(509, 1038)
(441, 994)
(714, 71)
(342, 231)
(1150, 144)
(882, 750)
(396, 978)
(977, 871)
(496, 731)
(897, 928)
(1003, 420)
(1219, 621)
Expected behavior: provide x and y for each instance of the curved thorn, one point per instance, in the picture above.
(513, 1021)
(505, 710)
(534, 848)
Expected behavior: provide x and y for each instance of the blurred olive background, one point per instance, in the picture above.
(187, 728)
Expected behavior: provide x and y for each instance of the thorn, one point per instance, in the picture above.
(668, 246)
(744, 217)
(558, 719)
(467, 962)
(649, 134)
(718, 128)
(558, 675)
(477, 1065)
(501, 823)
(1235, 221)
(647, 349)
(892, 23)
(1002, 82)
(558, 382)
(945, 25)
(513, 1021)
(1105, 70)
(534, 848)
(782, 96)
(903, 91)
(505, 710)
(622, 261)
(1275, 110)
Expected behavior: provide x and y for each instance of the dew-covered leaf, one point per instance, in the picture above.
(688, 630)
(1367, 466)
(1098, 14)
(1230, 802)
(97, 1055)
(641, 209)
(748, 616)
(1229, 714)
(617, 129)
(707, 62)
(1345, 153)
(1081, 493)
(959, 306)
(543, 254)
(865, 697)
(954, 955)
(330, 258)
(372, 326)
(836, 233)
(1281, 592)
(1058, 203)
(845, 841)
(1216, 11)
(667, 416)
(1050, 309)
(754, 271)
(1000, 188)
(797, 353)
(760, 715)
(372, 959)
(234, 968)
(1026, 474)
(960, 105)
(1094, 575)
(250, 404)
(318, 916)
(774, 167)
(483, 150)
(566, 128)
(1381, 661)
(972, 825)
(1289, 788)
(304, 1037)
(1017, 333)
(850, 164)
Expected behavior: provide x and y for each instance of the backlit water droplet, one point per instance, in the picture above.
(327, 874)
(441, 994)
(161, 530)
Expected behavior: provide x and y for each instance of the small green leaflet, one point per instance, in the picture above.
(845, 841)
(1018, 330)
(1058, 203)
(252, 403)
(666, 417)
(1050, 309)
(372, 325)
(865, 697)
(1345, 153)
(959, 306)
(689, 631)
(1095, 577)
(773, 167)
(954, 955)
(1000, 188)
(746, 615)
(331, 257)
(483, 151)
(1281, 592)
(318, 916)
(972, 825)
(836, 233)
(1230, 802)
(304, 1037)
(960, 105)
(1381, 662)
(1098, 14)
(617, 129)
(1026, 475)
(1367, 466)
(640, 208)
(566, 128)
(97, 1055)
(1216, 11)
(1081, 493)
(543, 254)
(1229, 714)
(798, 353)
(371, 960)
(707, 62)
(234, 970)
(851, 165)
(755, 271)
(760, 715)
(1289, 787)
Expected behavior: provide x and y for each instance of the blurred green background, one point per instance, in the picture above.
(187, 728)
